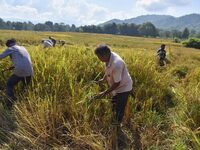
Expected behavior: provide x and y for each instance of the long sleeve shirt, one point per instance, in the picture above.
(21, 60)
(47, 43)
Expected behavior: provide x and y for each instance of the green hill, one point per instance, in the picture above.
(191, 21)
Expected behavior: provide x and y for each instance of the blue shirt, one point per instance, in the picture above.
(21, 60)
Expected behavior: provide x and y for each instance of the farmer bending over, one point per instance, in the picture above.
(47, 43)
(118, 78)
(22, 65)
(53, 41)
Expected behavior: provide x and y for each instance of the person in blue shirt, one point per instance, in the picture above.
(22, 68)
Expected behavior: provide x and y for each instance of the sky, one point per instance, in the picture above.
(87, 12)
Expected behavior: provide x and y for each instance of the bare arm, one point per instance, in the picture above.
(113, 87)
(104, 93)
(101, 80)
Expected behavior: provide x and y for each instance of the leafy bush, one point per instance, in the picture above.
(177, 40)
(192, 42)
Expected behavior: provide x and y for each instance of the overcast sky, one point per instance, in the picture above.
(86, 12)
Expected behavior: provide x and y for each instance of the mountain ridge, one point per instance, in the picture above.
(165, 22)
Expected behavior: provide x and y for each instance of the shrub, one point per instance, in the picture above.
(177, 40)
(192, 42)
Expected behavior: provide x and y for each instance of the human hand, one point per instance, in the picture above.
(8, 69)
(98, 96)
(97, 82)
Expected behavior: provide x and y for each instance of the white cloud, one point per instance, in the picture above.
(79, 12)
(21, 12)
(2, 2)
(160, 5)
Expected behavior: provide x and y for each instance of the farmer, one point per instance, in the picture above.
(53, 41)
(118, 78)
(61, 42)
(162, 55)
(22, 65)
(47, 43)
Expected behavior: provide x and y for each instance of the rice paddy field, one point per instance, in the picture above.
(55, 113)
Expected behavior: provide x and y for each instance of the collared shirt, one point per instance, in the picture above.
(116, 71)
(21, 60)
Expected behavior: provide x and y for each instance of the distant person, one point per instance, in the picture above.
(53, 41)
(22, 65)
(162, 55)
(61, 42)
(47, 43)
(118, 78)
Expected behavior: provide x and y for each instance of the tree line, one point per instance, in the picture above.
(146, 29)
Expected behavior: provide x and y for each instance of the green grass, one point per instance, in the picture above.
(56, 112)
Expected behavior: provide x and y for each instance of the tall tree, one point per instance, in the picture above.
(49, 26)
(2, 24)
(185, 33)
(40, 27)
(73, 28)
(133, 29)
(9, 25)
(123, 29)
(110, 28)
(176, 34)
(148, 29)
(18, 25)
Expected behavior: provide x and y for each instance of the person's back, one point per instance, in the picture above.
(21, 61)
(47, 43)
(161, 52)
(53, 41)
(118, 63)
(23, 69)
(162, 55)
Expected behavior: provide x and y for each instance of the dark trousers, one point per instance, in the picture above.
(119, 102)
(12, 81)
